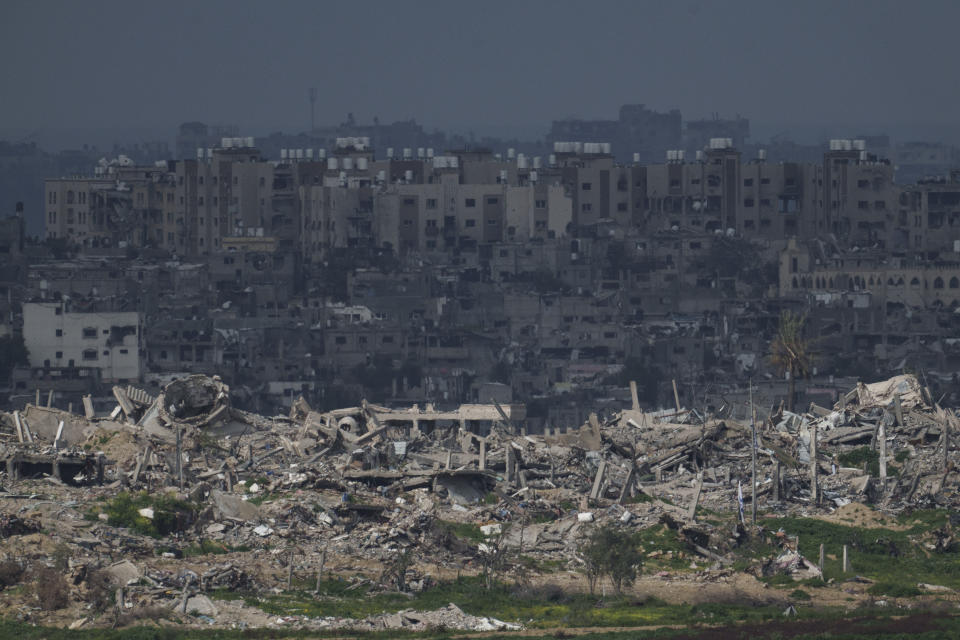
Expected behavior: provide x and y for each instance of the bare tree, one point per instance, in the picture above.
(791, 352)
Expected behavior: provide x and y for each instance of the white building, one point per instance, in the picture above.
(108, 342)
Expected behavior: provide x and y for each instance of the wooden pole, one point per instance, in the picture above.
(946, 441)
(180, 458)
(776, 482)
(753, 459)
(323, 561)
(290, 571)
(676, 396)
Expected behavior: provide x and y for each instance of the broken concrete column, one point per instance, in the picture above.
(88, 411)
(511, 464)
(882, 438)
(482, 463)
(814, 484)
(635, 401)
(598, 480)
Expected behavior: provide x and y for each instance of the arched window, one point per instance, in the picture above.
(954, 283)
(890, 282)
(915, 282)
(938, 283)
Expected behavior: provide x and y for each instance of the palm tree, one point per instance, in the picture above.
(791, 352)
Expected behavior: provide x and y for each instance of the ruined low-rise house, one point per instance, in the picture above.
(107, 343)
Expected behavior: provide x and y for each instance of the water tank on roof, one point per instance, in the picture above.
(283, 154)
(860, 145)
(390, 153)
(361, 164)
(322, 154)
(521, 161)
(636, 158)
(511, 152)
(552, 160)
(429, 152)
(421, 152)
(408, 175)
(348, 163)
(331, 164)
(407, 153)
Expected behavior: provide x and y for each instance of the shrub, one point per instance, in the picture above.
(799, 594)
(50, 589)
(10, 573)
(99, 590)
(893, 590)
(613, 553)
(169, 514)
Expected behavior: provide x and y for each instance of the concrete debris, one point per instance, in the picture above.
(319, 492)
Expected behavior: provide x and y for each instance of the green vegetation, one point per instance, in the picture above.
(465, 531)
(888, 556)
(894, 590)
(866, 455)
(212, 547)
(614, 553)
(543, 606)
(169, 513)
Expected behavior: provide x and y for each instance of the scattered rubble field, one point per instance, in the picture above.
(182, 513)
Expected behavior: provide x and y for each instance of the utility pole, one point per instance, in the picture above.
(753, 457)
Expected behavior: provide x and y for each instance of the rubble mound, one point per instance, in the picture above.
(193, 399)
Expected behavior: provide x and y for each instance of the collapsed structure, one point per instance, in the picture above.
(355, 487)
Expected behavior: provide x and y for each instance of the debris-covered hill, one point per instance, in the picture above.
(173, 501)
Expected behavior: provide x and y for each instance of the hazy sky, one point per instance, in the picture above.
(100, 64)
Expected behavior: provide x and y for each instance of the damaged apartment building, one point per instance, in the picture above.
(445, 276)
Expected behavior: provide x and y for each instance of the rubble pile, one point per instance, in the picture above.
(180, 496)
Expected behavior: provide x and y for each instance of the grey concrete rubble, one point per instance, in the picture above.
(303, 495)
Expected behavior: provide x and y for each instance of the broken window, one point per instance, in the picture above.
(89, 332)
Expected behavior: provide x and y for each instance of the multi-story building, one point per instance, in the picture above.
(106, 344)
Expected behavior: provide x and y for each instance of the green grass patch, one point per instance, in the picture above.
(881, 554)
(465, 531)
(894, 590)
(212, 547)
(169, 513)
(538, 606)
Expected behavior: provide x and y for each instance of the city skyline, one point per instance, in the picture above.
(814, 64)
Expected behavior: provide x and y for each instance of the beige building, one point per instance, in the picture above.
(107, 343)
(887, 279)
